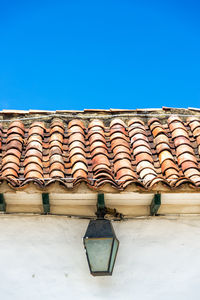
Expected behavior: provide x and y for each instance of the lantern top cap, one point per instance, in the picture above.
(100, 228)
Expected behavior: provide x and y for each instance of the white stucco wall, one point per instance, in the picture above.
(42, 257)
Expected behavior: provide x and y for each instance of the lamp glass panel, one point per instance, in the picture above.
(114, 253)
(98, 251)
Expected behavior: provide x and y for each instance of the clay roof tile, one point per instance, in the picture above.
(95, 123)
(77, 123)
(161, 150)
(117, 123)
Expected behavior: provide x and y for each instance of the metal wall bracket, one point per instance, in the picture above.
(155, 204)
(46, 204)
(100, 201)
(2, 203)
(101, 209)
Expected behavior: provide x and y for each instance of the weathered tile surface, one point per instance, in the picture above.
(116, 150)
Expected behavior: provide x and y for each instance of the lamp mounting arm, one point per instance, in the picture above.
(102, 210)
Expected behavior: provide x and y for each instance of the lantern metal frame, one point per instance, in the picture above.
(101, 228)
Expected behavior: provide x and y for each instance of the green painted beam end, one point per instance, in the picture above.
(46, 204)
(100, 201)
(155, 204)
(2, 203)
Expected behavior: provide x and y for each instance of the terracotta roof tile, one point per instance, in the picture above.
(12, 154)
(163, 147)
(79, 166)
(141, 151)
(80, 173)
(33, 167)
(123, 173)
(117, 151)
(76, 144)
(120, 147)
(77, 147)
(186, 158)
(55, 144)
(34, 174)
(194, 124)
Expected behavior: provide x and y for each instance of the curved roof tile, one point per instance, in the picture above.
(117, 151)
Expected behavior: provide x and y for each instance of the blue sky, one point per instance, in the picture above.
(99, 54)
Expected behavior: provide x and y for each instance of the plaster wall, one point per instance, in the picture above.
(42, 257)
